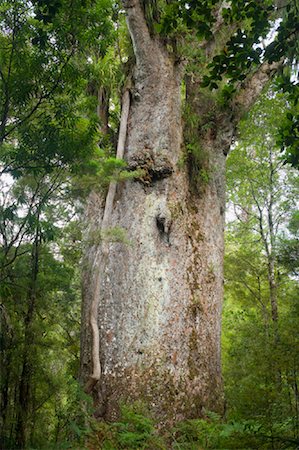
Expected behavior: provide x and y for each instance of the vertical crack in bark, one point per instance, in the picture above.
(93, 318)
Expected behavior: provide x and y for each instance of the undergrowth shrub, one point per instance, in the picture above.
(134, 430)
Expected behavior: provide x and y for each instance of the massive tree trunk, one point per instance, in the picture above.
(160, 295)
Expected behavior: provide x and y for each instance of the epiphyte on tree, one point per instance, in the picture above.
(154, 165)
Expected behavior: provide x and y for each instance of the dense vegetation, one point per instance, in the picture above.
(55, 62)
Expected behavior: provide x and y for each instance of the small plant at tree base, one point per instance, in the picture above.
(135, 430)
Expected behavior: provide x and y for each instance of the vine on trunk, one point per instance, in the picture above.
(93, 319)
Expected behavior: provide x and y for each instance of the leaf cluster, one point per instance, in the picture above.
(180, 16)
(134, 430)
(240, 52)
(260, 363)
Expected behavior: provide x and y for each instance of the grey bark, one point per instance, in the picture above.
(160, 296)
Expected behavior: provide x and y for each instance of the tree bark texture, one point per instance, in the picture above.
(160, 296)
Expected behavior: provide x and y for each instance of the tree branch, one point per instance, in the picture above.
(252, 88)
(143, 44)
(41, 99)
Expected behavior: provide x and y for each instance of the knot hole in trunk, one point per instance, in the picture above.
(163, 224)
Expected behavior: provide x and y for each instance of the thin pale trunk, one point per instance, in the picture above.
(273, 289)
(271, 251)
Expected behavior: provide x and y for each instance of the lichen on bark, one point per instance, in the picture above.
(159, 299)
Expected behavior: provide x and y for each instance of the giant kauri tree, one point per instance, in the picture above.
(152, 304)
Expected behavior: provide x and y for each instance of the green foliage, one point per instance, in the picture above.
(286, 42)
(214, 433)
(288, 138)
(99, 172)
(43, 80)
(288, 249)
(198, 433)
(135, 430)
(260, 373)
(54, 349)
(260, 363)
(49, 140)
(55, 57)
(239, 53)
(178, 17)
(195, 158)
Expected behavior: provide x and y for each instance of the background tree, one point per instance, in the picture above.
(260, 315)
(48, 134)
(40, 308)
(262, 189)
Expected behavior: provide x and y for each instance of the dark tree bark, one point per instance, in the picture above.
(25, 384)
